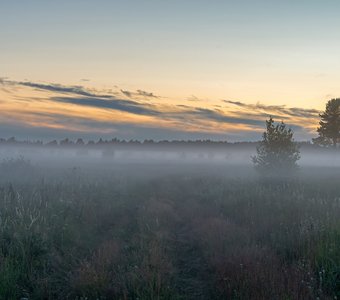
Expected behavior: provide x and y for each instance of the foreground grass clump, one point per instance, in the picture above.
(109, 236)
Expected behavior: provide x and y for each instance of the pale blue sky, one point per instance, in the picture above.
(272, 52)
(162, 44)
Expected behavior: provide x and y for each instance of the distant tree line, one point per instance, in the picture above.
(79, 142)
(116, 141)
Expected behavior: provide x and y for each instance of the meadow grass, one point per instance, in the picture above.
(73, 235)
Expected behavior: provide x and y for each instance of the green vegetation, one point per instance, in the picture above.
(329, 130)
(75, 234)
(277, 153)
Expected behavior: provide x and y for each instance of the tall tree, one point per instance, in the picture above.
(329, 130)
(277, 153)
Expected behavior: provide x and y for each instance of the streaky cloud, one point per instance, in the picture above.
(146, 94)
(281, 109)
(112, 103)
(77, 90)
(54, 87)
(215, 115)
(139, 93)
(237, 118)
(126, 93)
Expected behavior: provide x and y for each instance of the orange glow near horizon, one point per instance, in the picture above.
(37, 105)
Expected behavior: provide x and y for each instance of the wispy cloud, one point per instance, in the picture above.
(80, 109)
(77, 90)
(127, 93)
(193, 98)
(146, 94)
(280, 109)
(111, 103)
(139, 93)
(188, 112)
(54, 87)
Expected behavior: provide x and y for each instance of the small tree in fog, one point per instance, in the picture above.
(277, 153)
(329, 130)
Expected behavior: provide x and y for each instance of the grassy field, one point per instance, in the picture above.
(108, 234)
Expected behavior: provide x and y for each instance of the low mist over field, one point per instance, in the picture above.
(166, 222)
(170, 150)
(175, 153)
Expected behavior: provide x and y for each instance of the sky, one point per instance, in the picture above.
(180, 69)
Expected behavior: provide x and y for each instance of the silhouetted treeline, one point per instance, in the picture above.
(148, 143)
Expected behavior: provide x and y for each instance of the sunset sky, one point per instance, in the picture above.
(179, 69)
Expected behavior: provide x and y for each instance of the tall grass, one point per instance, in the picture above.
(71, 236)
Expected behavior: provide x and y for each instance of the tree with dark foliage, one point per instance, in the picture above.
(277, 153)
(329, 130)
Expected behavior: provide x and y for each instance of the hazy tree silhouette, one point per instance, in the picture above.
(80, 142)
(277, 153)
(329, 130)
